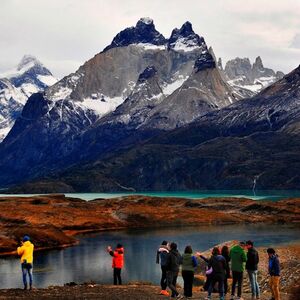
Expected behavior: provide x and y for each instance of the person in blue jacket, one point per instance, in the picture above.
(274, 272)
(162, 257)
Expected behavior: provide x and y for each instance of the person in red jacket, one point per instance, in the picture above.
(117, 262)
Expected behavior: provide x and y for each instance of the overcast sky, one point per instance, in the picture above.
(63, 34)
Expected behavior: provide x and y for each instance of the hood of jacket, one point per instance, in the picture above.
(237, 249)
(163, 248)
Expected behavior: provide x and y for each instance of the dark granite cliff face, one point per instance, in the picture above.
(205, 62)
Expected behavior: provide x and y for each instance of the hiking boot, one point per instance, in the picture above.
(164, 292)
(25, 287)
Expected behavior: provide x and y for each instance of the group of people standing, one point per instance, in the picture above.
(223, 264)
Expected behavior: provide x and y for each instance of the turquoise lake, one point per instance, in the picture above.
(255, 195)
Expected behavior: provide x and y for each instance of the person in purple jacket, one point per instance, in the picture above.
(218, 264)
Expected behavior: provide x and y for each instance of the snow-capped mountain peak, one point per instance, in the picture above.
(26, 65)
(27, 61)
(185, 39)
(16, 85)
(252, 77)
(146, 20)
(143, 33)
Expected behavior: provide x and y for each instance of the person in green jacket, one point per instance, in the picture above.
(238, 261)
(189, 263)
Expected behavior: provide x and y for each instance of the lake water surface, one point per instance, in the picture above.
(89, 261)
(255, 195)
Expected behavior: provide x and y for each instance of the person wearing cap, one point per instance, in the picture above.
(26, 253)
(274, 272)
(238, 260)
(251, 267)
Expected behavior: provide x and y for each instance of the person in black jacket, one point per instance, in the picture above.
(173, 262)
(225, 254)
(218, 264)
(251, 267)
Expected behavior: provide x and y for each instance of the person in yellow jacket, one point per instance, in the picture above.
(26, 253)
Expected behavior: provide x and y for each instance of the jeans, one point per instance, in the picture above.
(188, 279)
(171, 280)
(163, 281)
(274, 286)
(220, 281)
(254, 284)
(27, 269)
(237, 278)
(117, 276)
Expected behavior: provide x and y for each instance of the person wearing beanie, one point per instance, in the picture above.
(26, 253)
(274, 272)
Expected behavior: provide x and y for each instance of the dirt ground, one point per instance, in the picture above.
(126, 292)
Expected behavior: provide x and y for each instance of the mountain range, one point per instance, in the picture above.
(156, 113)
(241, 74)
(29, 77)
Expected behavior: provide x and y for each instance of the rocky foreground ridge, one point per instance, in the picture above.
(53, 221)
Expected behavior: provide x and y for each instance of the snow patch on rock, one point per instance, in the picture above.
(47, 79)
(148, 46)
(62, 93)
(186, 45)
(169, 88)
(101, 105)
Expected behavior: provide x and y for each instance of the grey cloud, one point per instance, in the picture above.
(296, 41)
(65, 33)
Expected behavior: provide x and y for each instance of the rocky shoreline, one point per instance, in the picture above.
(53, 221)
